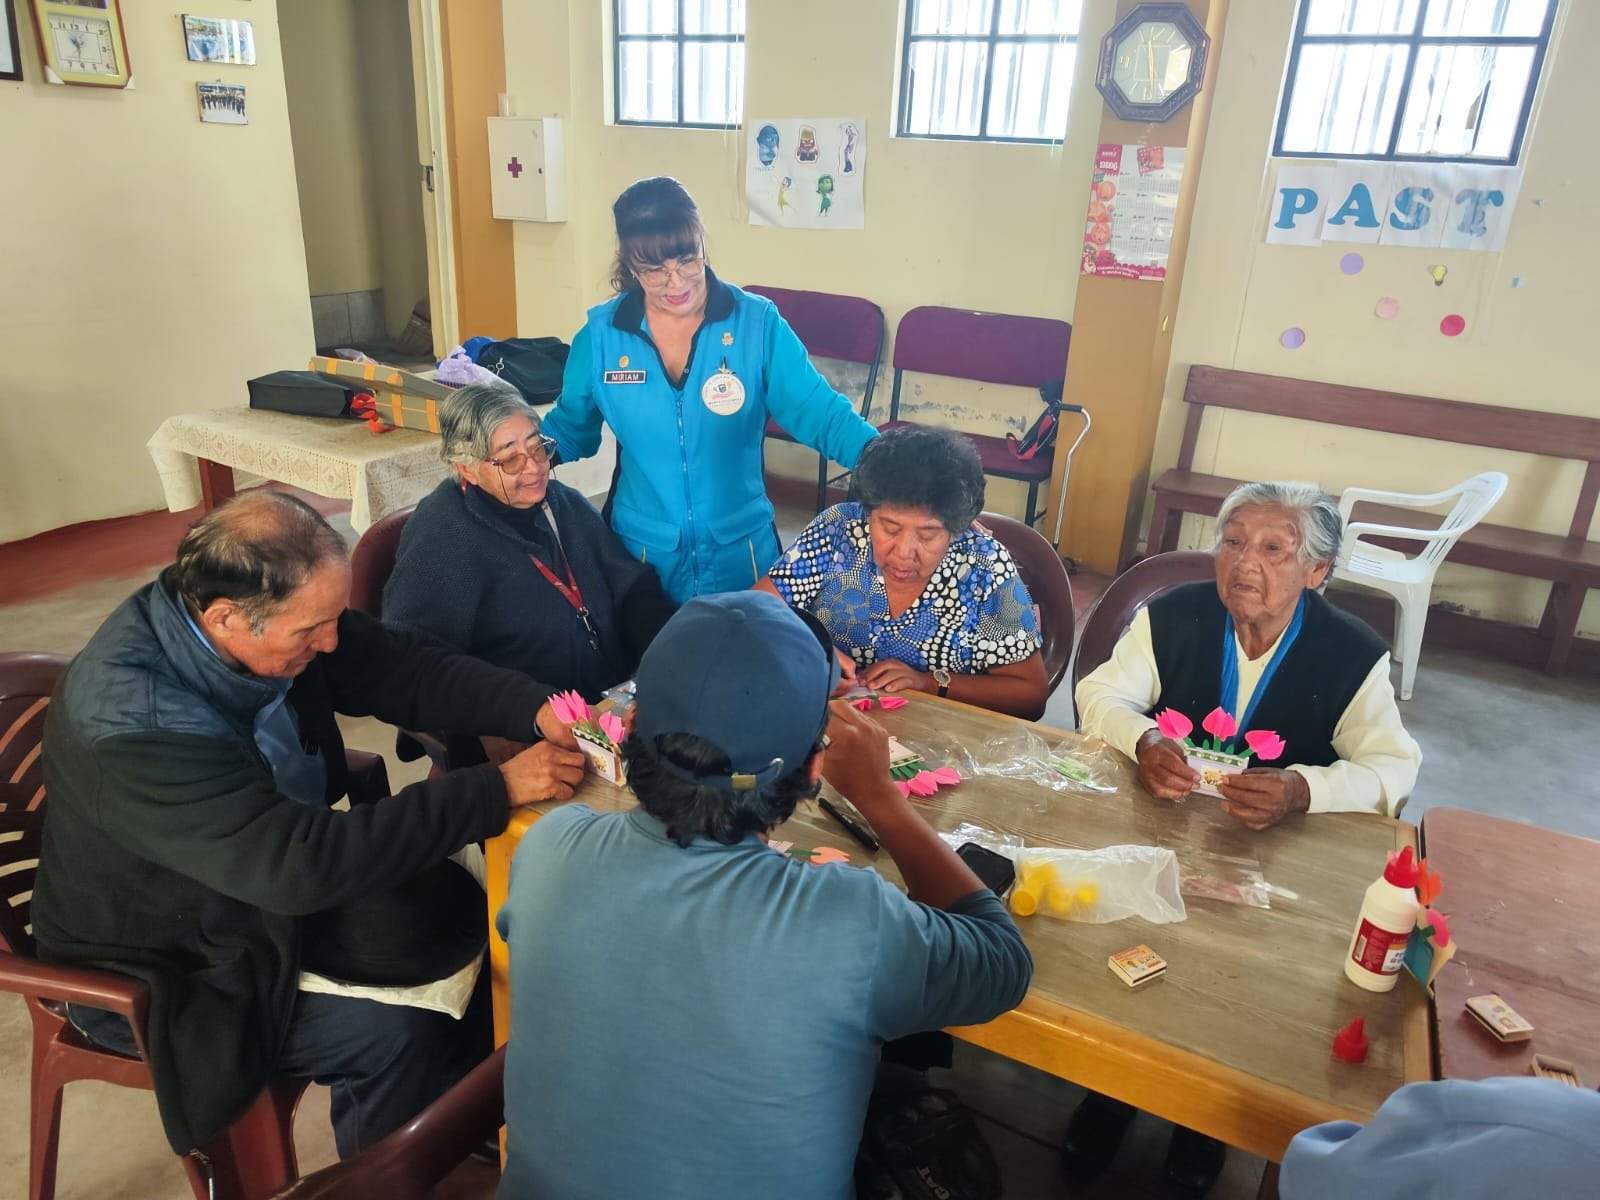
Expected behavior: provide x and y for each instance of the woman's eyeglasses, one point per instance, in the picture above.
(684, 268)
(517, 461)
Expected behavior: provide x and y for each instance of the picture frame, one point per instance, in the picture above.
(219, 40)
(82, 42)
(10, 50)
(222, 103)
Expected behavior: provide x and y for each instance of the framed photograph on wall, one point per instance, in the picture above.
(222, 103)
(82, 42)
(10, 55)
(219, 40)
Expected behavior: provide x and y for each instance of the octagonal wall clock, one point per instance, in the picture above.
(1152, 62)
(82, 42)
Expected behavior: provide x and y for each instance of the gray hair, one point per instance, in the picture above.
(468, 419)
(1315, 512)
(256, 550)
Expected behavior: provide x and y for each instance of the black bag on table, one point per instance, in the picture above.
(304, 393)
(533, 366)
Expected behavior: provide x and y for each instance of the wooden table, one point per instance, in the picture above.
(1521, 902)
(1235, 1040)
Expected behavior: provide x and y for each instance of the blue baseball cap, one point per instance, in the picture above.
(748, 674)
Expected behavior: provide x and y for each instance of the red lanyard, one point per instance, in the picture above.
(568, 588)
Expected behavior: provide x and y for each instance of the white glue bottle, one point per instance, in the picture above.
(1388, 915)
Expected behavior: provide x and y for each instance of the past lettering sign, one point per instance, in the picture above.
(1458, 206)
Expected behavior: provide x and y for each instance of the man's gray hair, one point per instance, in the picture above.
(468, 419)
(256, 550)
(1315, 512)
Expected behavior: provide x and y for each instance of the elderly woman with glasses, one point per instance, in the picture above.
(685, 369)
(508, 565)
(917, 595)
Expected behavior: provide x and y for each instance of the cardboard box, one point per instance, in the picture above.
(406, 400)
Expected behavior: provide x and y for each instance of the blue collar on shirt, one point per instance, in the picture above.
(657, 831)
(278, 685)
(629, 314)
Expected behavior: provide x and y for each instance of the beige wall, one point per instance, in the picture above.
(970, 224)
(1525, 347)
(352, 114)
(152, 263)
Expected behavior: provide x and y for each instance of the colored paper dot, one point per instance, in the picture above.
(1292, 338)
(1352, 263)
(1387, 308)
(1452, 325)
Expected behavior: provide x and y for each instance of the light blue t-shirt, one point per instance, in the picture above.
(1491, 1139)
(705, 1021)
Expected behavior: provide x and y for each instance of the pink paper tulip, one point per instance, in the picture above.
(611, 726)
(1174, 724)
(948, 776)
(1441, 928)
(890, 703)
(569, 707)
(905, 787)
(1220, 723)
(1265, 744)
(922, 784)
(864, 704)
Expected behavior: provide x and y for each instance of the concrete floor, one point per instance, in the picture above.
(1495, 738)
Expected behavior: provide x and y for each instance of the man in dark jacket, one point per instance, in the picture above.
(191, 755)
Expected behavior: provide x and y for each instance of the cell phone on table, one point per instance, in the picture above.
(995, 871)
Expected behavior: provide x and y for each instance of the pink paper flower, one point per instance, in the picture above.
(1265, 744)
(1219, 723)
(569, 707)
(922, 784)
(611, 726)
(905, 787)
(1441, 928)
(864, 704)
(1174, 724)
(948, 776)
(890, 703)
(823, 855)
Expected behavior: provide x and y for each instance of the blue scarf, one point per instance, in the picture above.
(1230, 666)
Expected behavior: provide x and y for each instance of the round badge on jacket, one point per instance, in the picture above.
(723, 393)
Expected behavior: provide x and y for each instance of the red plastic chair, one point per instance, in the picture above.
(1116, 607)
(410, 1161)
(830, 326)
(1046, 578)
(256, 1155)
(989, 348)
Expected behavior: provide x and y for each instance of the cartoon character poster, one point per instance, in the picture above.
(1133, 199)
(807, 172)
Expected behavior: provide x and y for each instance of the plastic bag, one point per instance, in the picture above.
(1072, 763)
(1208, 876)
(1099, 886)
(1008, 845)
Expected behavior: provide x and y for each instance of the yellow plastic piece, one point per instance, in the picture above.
(1086, 895)
(1035, 880)
(1058, 899)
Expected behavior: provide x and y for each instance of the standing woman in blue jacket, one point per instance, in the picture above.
(685, 368)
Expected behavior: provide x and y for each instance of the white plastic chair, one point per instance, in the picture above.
(1409, 579)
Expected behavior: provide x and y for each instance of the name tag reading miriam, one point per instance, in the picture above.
(624, 376)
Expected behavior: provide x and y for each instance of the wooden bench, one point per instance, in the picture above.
(1571, 563)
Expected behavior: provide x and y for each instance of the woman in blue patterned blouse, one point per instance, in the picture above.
(917, 595)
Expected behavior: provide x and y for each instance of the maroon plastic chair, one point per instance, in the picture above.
(830, 326)
(1130, 591)
(256, 1155)
(1046, 578)
(372, 561)
(407, 1163)
(988, 348)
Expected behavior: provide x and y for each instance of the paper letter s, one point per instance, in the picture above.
(1411, 211)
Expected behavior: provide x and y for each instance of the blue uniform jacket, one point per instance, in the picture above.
(690, 495)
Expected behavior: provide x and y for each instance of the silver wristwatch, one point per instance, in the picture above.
(942, 678)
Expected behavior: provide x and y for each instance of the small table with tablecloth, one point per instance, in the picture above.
(197, 453)
(1235, 1040)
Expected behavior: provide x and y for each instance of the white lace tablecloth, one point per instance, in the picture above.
(377, 473)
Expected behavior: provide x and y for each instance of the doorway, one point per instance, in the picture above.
(362, 131)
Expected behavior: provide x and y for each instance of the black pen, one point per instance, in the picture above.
(853, 828)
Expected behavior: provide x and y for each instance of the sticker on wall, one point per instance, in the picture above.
(1462, 206)
(1452, 325)
(1387, 308)
(1352, 263)
(1437, 272)
(1292, 338)
(222, 103)
(219, 40)
(807, 173)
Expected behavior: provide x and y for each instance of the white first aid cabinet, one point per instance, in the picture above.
(526, 179)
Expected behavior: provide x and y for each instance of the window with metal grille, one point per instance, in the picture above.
(1413, 80)
(678, 62)
(988, 70)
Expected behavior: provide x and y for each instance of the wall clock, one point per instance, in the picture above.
(1152, 62)
(82, 42)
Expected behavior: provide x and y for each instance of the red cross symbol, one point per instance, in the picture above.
(514, 167)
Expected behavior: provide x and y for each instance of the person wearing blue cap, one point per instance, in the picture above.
(694, 1014)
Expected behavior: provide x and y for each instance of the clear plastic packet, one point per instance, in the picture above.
(1008, 845)
(1099, 886)
(1232, 880)
(1070, 763)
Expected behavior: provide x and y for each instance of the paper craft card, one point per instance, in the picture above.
(1213, 766)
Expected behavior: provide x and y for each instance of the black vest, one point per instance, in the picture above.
(1305, 699)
